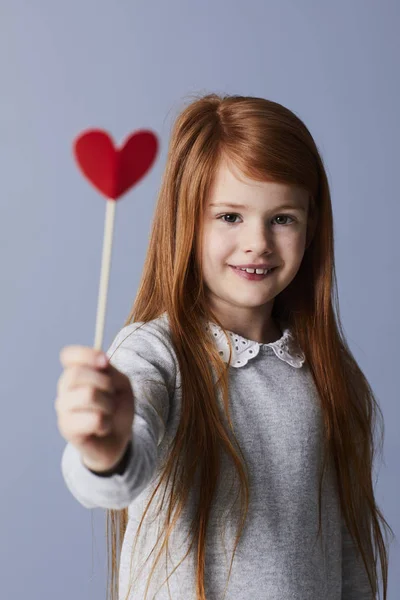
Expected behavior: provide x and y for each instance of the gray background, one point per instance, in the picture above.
(121, 65)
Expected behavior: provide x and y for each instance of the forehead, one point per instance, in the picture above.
(231, 185)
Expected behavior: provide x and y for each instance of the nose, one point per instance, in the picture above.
(257, 238)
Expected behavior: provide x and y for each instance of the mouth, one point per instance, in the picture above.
(253, 276)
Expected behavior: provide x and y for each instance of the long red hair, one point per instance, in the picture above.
(267, 142)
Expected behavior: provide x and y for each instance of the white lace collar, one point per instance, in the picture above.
(244, 350)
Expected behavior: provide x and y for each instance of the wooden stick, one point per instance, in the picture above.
(105, 273)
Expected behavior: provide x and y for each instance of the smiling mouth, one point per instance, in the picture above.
(251, 274)
(252, 269)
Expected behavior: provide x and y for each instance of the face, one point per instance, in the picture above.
(247, 221)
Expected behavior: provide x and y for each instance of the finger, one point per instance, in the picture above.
(82, 355)
(77, 375)
(82, 400)
(84, 424)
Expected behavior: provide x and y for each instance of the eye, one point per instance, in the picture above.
(228, 215)
(234, 215)
(284, 217)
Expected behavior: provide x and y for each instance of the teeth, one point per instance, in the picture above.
(258, 271)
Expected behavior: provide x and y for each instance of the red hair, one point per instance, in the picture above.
(267, 142)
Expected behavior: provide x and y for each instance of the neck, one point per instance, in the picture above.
(252, 327)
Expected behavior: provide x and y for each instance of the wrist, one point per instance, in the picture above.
(120, 467)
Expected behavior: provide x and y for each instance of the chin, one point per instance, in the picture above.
(250, 302)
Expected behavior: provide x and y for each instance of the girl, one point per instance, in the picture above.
(231, 380)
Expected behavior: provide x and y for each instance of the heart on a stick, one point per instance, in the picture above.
(113, 171)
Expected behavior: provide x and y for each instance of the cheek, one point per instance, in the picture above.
(216, 248)
(293, 251)
(293, 245)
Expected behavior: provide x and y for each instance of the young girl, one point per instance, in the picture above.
(230, 437)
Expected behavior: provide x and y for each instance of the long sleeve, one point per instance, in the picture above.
(145, 354)
(355, 582)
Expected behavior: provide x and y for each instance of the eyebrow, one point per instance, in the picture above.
(245, 206)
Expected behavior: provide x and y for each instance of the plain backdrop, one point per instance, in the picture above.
(124, 65)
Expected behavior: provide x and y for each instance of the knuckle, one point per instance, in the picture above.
(108, 384)
(75, 371)
(62, 427)
(100, 419)
(65, 381)
(66, 354)
(90, 394)
(108, 404)
(72, 377)
(104, 402)
(61, 382)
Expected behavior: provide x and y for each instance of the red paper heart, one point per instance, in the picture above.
(111, 170)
